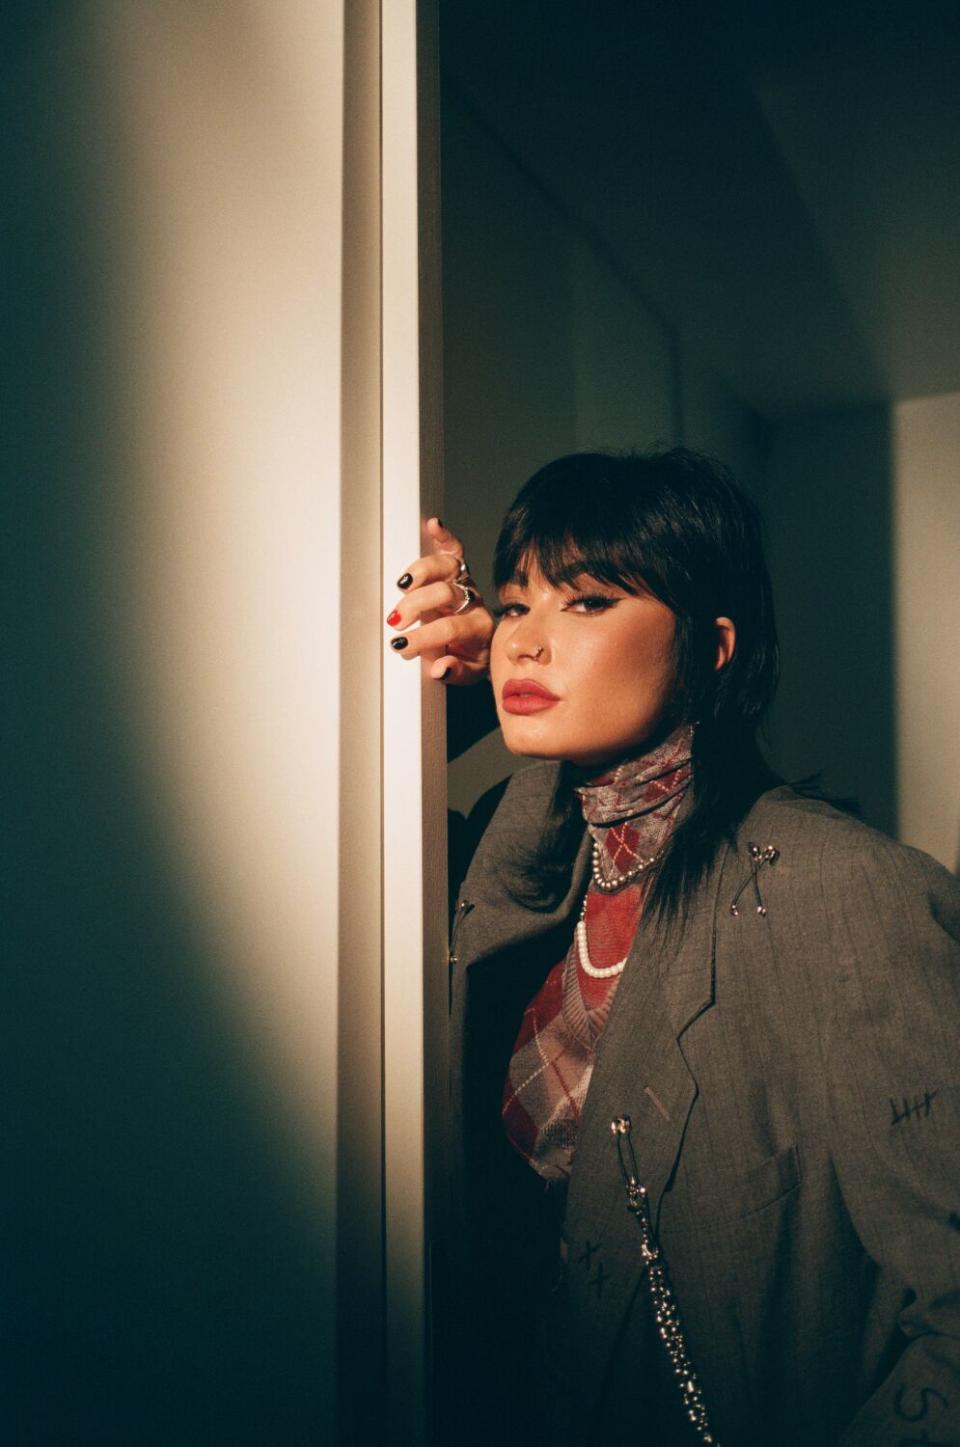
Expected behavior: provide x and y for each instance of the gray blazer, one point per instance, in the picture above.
(792, 1080)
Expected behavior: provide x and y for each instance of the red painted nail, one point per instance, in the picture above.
(393, 619)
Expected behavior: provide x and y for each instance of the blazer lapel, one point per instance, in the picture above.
(488, 920)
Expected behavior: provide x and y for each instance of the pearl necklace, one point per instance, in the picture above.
(596, 972)
(608, 884)
(586, 964)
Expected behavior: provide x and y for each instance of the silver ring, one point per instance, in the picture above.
(463, 568)
(469, 596)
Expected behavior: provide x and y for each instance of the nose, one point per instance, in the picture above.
(525, 643)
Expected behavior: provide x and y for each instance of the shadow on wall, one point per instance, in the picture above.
(162, 1278)
(828, 509)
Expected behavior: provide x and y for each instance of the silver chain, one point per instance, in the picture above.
(665, 1309)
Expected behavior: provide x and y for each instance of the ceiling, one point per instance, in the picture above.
(780, 181)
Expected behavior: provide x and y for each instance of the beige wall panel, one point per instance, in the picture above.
(926, 436)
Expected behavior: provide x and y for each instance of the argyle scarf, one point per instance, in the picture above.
(630, 812)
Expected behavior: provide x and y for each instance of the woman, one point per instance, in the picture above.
(705, 1027)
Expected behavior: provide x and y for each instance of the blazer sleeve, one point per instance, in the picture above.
(892, 1068)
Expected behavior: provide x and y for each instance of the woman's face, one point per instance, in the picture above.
(585, 672)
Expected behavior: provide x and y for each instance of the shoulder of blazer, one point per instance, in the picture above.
(516, 823)
(836, 864)
(527, 796)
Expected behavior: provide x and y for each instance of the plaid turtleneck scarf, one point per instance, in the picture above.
(630, 813)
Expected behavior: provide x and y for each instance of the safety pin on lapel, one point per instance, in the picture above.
(666, 1311)
(758, 857)
(637, 1197)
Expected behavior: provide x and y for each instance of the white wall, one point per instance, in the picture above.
(206, 1215)
(173, 1051)
(926, 514)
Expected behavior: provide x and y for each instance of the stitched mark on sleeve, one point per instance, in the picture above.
(900, 1405)
(585, 1258)
(907, 1110)
(597, 1281)
(916, 1410)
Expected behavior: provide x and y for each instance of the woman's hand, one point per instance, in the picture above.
(434, 590)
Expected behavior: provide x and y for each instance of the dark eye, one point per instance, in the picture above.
(509, 610)
(592, 602)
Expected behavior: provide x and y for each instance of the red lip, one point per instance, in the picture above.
(522, 695)
(527, 685)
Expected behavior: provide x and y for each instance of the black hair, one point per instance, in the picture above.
(675, 524)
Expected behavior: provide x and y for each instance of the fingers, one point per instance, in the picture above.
(464, 637)
(443, 539)
(452, 670)
(435, 620)
(440, 564)
(430, 598)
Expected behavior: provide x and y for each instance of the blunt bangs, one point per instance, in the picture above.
(560, 561)
(570, 520)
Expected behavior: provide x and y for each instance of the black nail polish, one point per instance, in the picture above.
(445, 674)
(440, 522)
(398, 643)
(405, 581)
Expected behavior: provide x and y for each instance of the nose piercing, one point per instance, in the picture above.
(537, 652)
